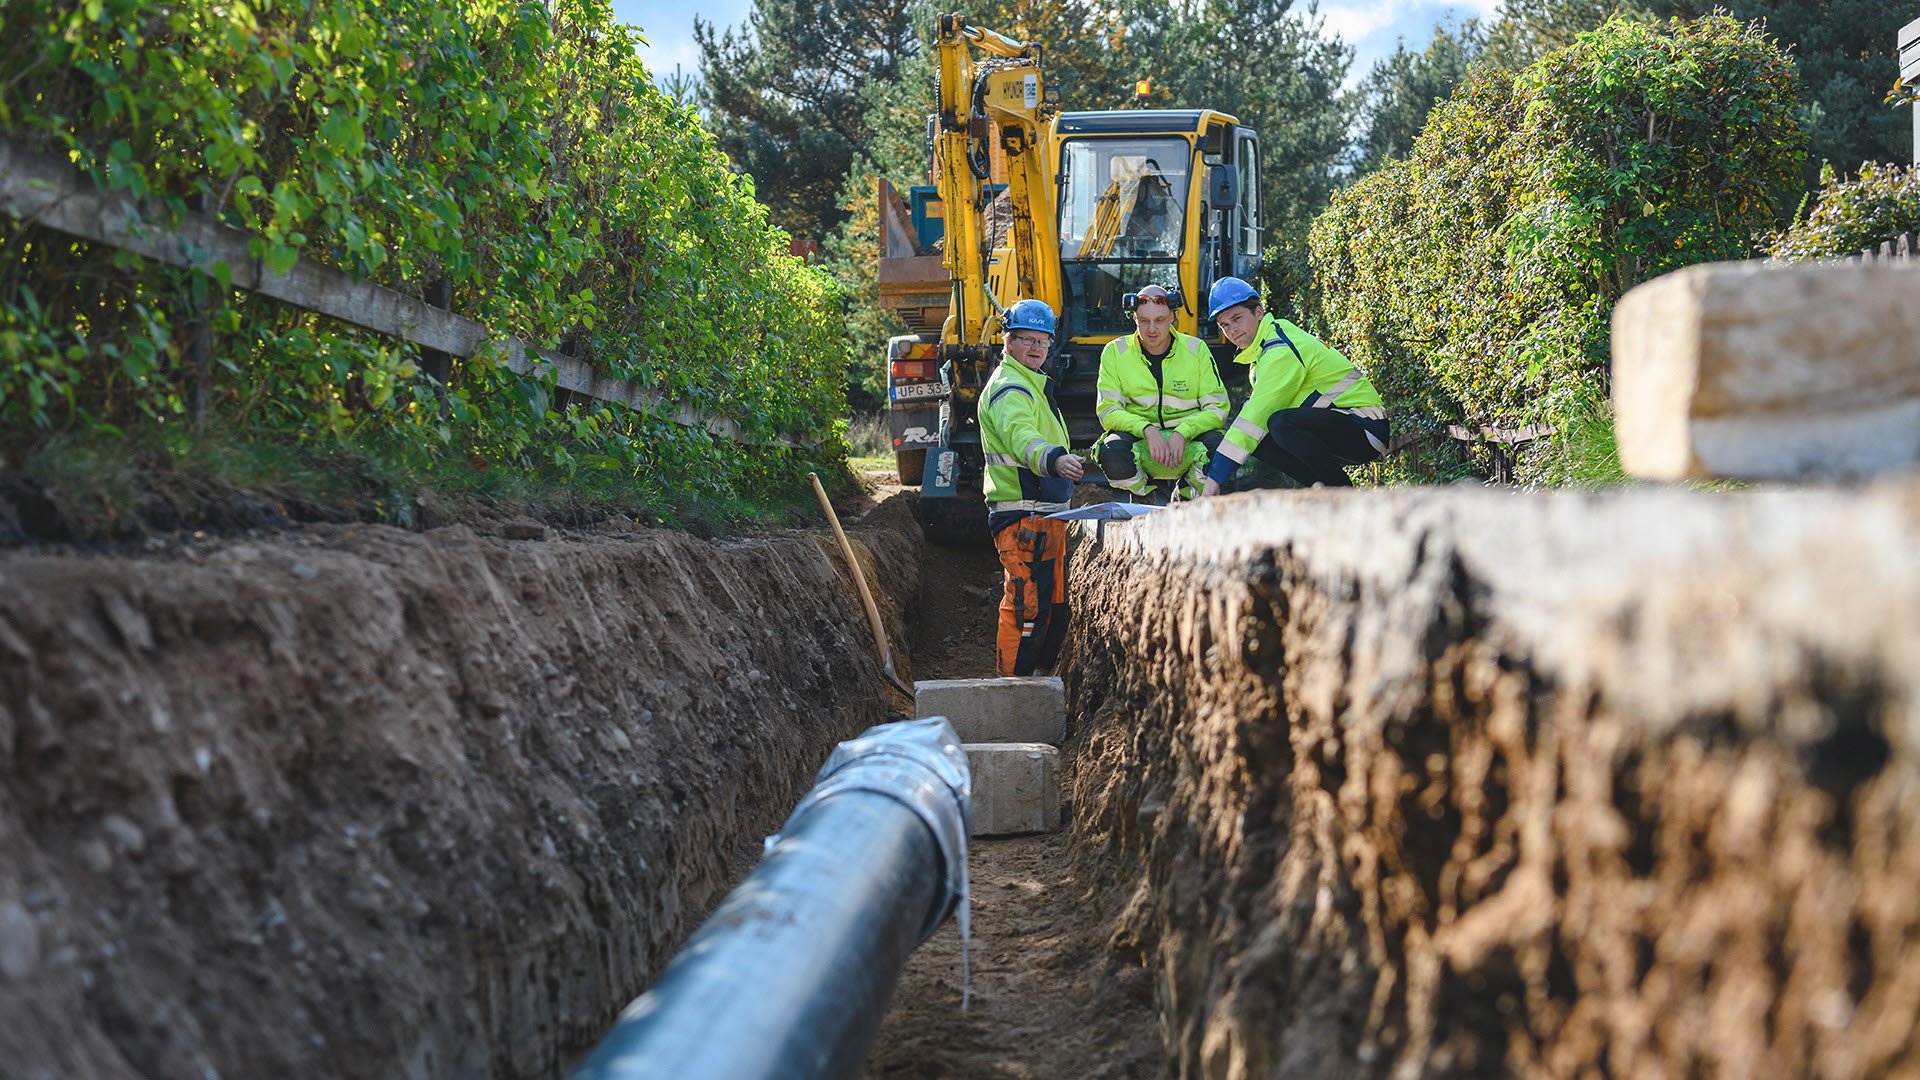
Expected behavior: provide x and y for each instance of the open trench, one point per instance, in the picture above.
(1045, 1002)
(1432, 783)
(357, 801)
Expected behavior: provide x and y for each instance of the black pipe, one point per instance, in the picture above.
(790, 976)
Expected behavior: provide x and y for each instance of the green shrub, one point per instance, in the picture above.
(1475, 278)
(1852, 215)
(519, 150)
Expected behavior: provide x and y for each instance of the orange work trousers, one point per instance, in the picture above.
(1033, 609)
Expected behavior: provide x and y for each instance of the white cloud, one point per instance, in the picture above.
(1374, 28)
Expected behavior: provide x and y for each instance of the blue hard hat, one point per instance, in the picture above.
(1030, 315)
(1227, 292)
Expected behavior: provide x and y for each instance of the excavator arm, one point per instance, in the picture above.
(1003, 94)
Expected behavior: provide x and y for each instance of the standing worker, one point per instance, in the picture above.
(1030, 474)
(1311, 412)
(1161, 402)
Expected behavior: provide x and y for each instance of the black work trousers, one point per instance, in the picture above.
(1314, 446)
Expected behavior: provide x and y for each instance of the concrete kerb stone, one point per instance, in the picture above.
(1031, 709)
(1016, 787)
(1757, 371)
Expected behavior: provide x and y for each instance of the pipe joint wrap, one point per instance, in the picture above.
(920, 764)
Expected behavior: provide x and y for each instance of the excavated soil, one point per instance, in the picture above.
(356, 801)
(1460, 783)
(1408, 784)
(348, 800)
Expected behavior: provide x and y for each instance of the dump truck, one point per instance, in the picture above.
(1079, 209)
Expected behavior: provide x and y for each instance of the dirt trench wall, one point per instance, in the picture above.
(363, 802)
(1460, 783)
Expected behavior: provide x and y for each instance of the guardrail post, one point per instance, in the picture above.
(438, 365)
(199, 360)
(200, 307)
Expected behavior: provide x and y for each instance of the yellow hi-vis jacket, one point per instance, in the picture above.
(1023, 435)
(1189, 398)
(1291, 369)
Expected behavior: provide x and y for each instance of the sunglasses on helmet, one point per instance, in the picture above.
(1133, 300)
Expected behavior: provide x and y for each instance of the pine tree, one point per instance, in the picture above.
(1403, 88)
(1845, 49)
(783, 95)
(1273, 68)
(1526, 30)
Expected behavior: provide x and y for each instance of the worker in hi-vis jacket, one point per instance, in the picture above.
(1030, 474)
(1161, 402)
(1311, 413)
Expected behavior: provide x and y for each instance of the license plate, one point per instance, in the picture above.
(917, 391)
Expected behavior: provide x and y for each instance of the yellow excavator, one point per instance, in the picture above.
(1079, 209)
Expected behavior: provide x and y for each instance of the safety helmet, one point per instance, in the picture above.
(1030, 315)
(1227, 292)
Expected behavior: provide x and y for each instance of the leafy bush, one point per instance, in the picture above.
(1852, 215)
(519, 151)
(1474, 279)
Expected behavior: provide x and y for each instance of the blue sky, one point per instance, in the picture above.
(1371, 26)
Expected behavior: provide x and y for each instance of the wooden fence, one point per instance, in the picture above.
(1904, 246)
(38, 189)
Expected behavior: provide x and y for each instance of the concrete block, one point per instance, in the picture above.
(1016, 787)
(1752, 371)
(1028, 709)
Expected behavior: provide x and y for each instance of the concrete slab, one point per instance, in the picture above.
(1028, 709)
(1016, 787)
(1757, 371)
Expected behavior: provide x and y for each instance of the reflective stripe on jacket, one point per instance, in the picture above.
(1189, 398)
(1291, 369)
(1023, 434)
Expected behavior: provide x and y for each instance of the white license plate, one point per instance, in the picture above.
(917, 391)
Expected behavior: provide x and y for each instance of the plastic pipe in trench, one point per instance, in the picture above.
(790, 976)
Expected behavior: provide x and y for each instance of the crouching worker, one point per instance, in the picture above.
(1030, 474)
(1311, 413)
(1161, 402)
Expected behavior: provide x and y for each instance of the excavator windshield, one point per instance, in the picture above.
(1123, 198)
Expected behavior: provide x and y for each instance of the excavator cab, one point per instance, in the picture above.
(1078, 209)
(1147, 198)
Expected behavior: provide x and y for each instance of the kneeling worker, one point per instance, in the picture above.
(1030, 474)
(1311, 412)
(1161, 402)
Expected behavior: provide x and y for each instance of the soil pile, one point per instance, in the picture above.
(1449, 783)
(360, 801)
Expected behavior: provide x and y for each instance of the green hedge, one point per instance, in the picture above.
(1853, 215)
(518, 149)
(1474, 279)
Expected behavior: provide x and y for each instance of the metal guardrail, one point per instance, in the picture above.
(41, 190)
